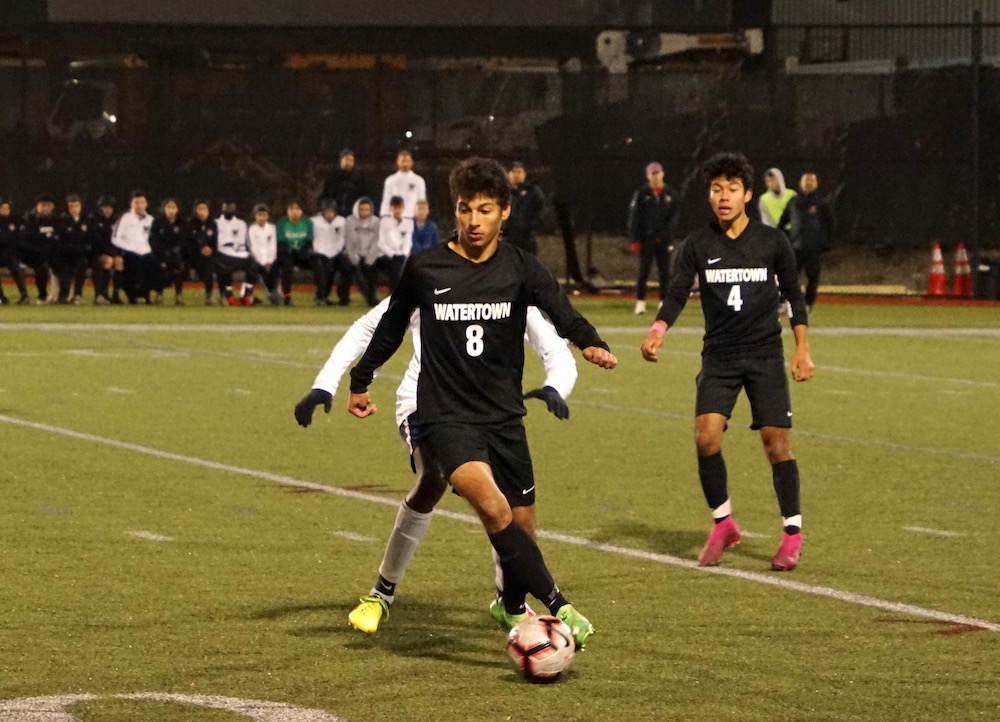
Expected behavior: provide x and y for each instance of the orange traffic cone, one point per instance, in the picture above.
(963, 274)
(935, 281)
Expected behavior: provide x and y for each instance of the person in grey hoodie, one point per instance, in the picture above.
(361, 248)
(773, 201)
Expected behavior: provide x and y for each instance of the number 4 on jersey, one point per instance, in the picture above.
(735, 299)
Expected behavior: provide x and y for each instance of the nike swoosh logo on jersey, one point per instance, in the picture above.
(439, 291)
(525, 492)
(714, 260)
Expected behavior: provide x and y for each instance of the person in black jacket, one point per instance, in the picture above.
(38, 234)
(167, 238)
(526, 203)
(651, 220)
(106, 261)
(345, 185)
(811, 224)
(202, 243)
(9, 251)
(70, 251)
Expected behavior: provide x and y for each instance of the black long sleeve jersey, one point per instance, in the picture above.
(472, 319)
(739, 296)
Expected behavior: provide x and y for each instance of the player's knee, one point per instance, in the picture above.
(708, 442)
(777, 445)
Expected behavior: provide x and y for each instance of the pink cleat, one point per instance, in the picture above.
(724, 535)
(788, 554)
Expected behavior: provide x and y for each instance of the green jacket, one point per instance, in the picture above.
(297, 236)
(772, 206)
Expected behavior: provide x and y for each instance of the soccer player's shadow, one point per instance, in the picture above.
(684, 543)
(415, 628)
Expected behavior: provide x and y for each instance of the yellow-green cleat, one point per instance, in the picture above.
(506, 621)
(366, 616)
(581, 627)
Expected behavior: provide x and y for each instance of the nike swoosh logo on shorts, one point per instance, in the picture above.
(714, 260)
(525, 492)
(439, 291)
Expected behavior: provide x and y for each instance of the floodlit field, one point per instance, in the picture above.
(166, 528)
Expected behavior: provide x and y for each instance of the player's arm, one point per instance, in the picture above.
(546, 294)
(678, 290)
(560, 366)
(803, 367)
(387, 337)
(346, 351)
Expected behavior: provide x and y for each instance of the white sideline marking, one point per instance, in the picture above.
(116, 390)
(753, 534)
(351, 536)
(933, 532)
(149, 536)
(773, 579)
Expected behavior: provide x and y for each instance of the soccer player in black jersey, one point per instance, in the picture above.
(736, 261)
(472, 294)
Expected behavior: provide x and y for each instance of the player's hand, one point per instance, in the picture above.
(803, 367)
(304, 409)
(361, 405)
(654, 339)
(554, 401)
(600, 357)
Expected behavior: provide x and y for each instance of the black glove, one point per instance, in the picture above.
(553, 401)
(304, 409)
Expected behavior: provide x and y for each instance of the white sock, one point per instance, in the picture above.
(723, 510)
(497, 572)
(792, 521)
(406, 534)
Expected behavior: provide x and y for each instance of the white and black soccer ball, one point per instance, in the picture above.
(541, 648)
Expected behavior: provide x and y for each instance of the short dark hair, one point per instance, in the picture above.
(728, 165)
(137, 193)
(73, 198)
(396, 201)
(480, 176)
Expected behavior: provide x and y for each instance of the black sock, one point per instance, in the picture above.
(524, 570)
(714, 481)
(384, 587)
(785, 475)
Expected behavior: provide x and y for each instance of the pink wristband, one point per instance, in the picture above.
(656, 329)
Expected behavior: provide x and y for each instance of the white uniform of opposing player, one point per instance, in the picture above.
(410, 526)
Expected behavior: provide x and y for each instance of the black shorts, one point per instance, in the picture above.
(764, 379)
(412, 434)
(504, 447)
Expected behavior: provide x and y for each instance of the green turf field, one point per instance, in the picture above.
(166, 528)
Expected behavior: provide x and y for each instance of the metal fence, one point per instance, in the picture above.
(893, 142)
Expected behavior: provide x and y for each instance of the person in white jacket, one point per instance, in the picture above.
(361, 247)
(414, 515)
(329, 263)
(395, 239)
(403, 183)
(262, 238)
(234, 256)
(131, 235)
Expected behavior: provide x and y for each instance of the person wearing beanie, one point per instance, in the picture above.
(234, 257)
(345, 184)
(652, 215)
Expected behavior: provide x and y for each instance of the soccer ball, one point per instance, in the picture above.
(541, 648)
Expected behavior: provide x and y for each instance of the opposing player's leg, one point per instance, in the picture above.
(412, 521)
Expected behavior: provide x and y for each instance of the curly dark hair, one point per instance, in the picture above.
(728, 165)
(480, 176)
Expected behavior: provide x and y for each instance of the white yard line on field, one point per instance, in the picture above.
(773, 579)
